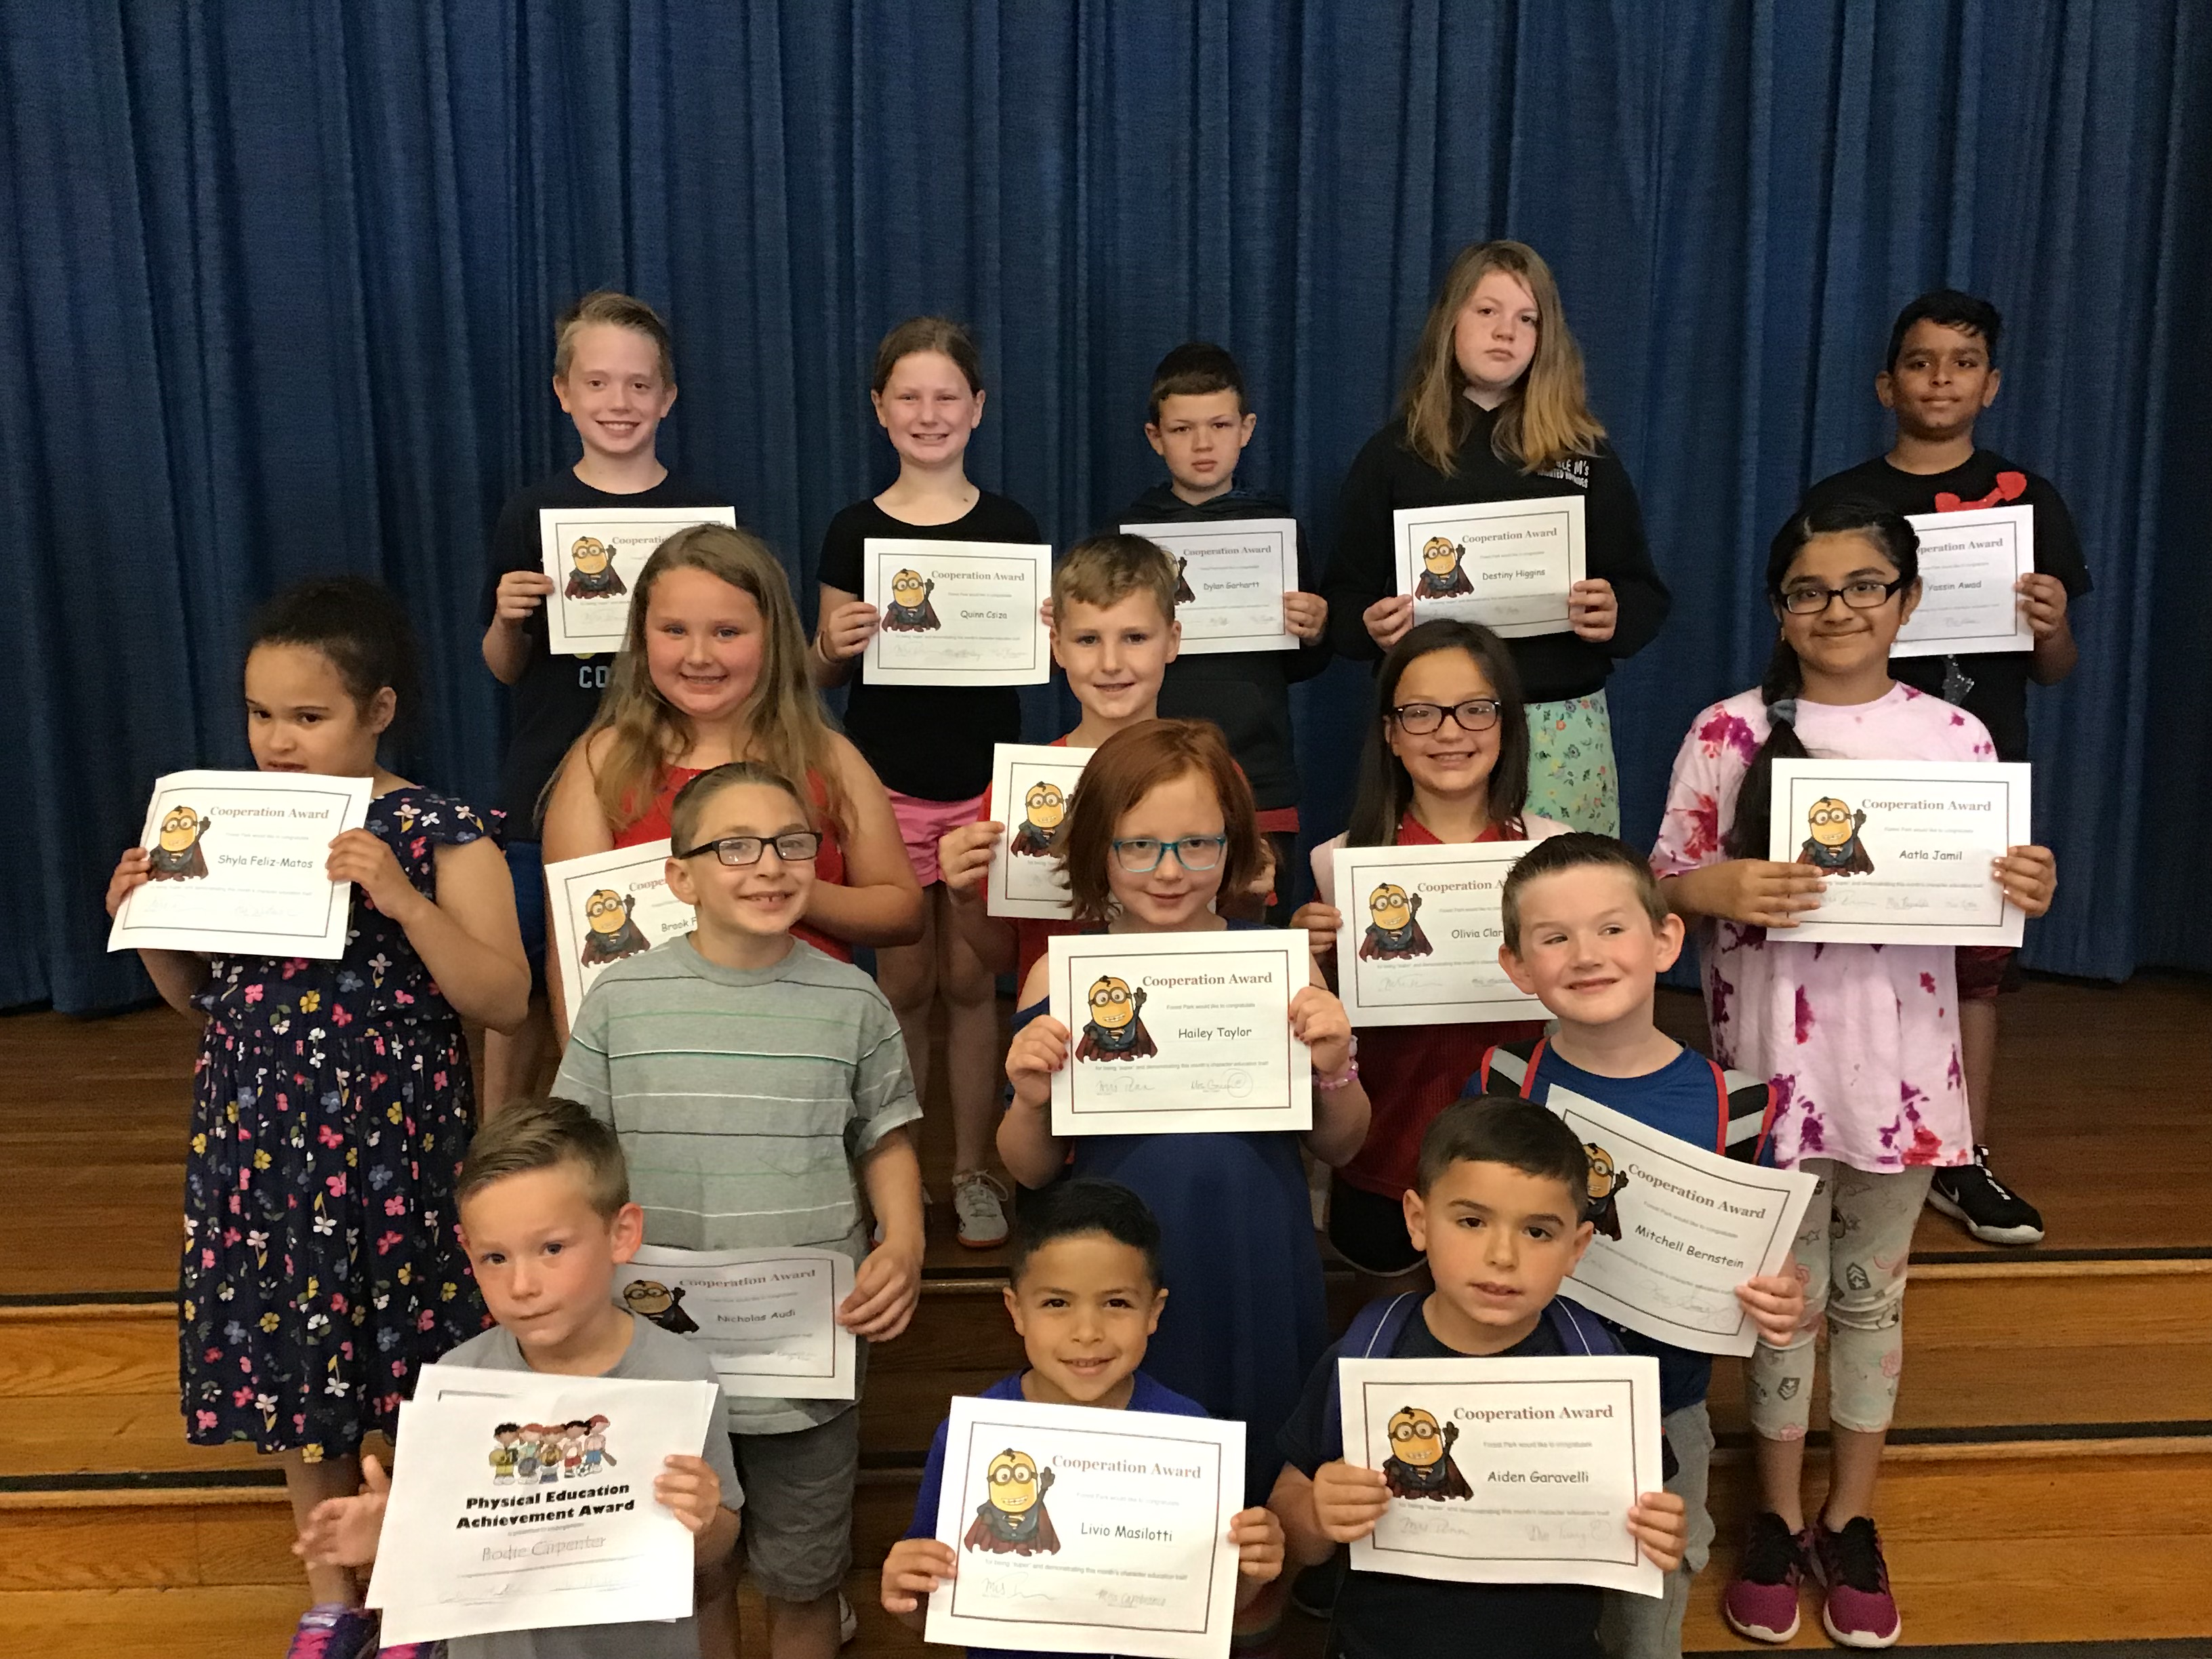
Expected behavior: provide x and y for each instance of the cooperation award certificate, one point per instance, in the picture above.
(767, 1318)
(1906, 846)
(593, 555)
(1678, 1228)
(1507, 1471)
(1231, 577)
(1080, 1530)
(1507, 565)
(1968, 564)
(606, 906)
(238, 866)
(1418, 944)
(1032, 784)
(1180, 1033)
(957, 613)
(522, 1501)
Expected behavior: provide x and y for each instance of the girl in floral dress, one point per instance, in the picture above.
(332, 1101)
(1861, 1042)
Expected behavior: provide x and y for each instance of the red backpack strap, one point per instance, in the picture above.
(1515, 1062)
(1748, 1109)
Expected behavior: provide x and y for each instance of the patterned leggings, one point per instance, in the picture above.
(1851, 1249)
(1571, 777)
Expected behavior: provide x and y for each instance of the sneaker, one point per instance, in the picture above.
(331, 1630)
(1984, 1206)
(980, 1202)
(413, 1650)
(848, 1622)
(1761, 1601)
(1313, 1592)
(1859, 1611)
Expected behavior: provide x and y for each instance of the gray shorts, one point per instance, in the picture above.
(797, 1535)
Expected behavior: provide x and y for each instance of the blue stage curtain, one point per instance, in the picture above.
(280, 279)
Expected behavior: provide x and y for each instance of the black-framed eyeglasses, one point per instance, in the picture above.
(792, 847)
(1419, 718)
(1140, 855)
(1811, 599)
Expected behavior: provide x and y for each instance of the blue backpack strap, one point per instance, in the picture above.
(1579, 1330)
(1373, 1333)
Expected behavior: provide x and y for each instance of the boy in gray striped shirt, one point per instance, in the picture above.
(751, 1079)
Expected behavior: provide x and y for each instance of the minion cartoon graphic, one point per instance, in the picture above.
(503, 1453)
(1420, 1462)
(1834, 846)
(1115, 1029)
(592, 573)
(176, 855)
(1606, 1180)
(1043, 809)
(1012, 1519)
(1182, 594)
(910, 611)
(1394, 930)
(648, 1298)
(611, 935)
(1441, 576)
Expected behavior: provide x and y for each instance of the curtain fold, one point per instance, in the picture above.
(279, 292)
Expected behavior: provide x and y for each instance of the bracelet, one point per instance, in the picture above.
(1349, 1075)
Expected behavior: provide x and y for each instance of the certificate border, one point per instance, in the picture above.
(829, 1375)
(1027, 558)
(1401, 529)
(2009, 642)
(1212, 1557)
(320, 936)
(1461, 856)
(1287, 559)
(2003, 781)
(1003, 767)
(1289, 1045)
(550, 518)
(574, 981)
(1366, 1421)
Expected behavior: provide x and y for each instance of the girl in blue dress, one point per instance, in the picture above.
(332, 1101)
(1161, 823)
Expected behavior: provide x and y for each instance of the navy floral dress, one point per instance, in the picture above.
(330, 1106)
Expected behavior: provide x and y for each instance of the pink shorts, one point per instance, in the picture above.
(921, 824)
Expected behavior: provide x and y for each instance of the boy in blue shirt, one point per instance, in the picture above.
(1586, 932)
(1084, 1293)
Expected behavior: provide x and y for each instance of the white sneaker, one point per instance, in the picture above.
(848, 1622)
(980, 1202)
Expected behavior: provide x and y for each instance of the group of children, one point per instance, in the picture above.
(748, 1085)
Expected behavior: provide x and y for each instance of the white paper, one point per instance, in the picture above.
(957, 613)
(1551, 1455)
(1030, 786)
(767, 1318)
(1507, 565)
(606, 906)
(1968, 564)
(1180, 1033)
(1234, 573)
(239, 861)
(593, 555)
(1419, 945)
(1678, 1228)
(1110, 1535)
(471, 1544)
(1906, 847)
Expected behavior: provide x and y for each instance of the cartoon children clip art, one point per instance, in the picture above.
(1394, 932)
(1012, 1519)
(595, 1445)
(1420, 1462)
(1441, 577)
(1834, 846)
(592, 573)
(1606, 1180)
(503, 1453)
(1042, 811)
(648, 1298)
(176, 855)
(1115, 1029)
(910, 611)
(610, 934)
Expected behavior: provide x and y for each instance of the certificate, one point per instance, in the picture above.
(1180, 1033)
(1032, 784)
(238, 866)
(607, 906)
(1231, 577)
(522, 1501)
(1507, 1471)
(593, 555)
(1081, 1530)
(957, 613)
(1968, 564)
(1507, 565)
(1906, 846)
(1418, 944)
(1678, 1228)
(767, 1318)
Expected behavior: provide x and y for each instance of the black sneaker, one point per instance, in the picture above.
(1313, 1592)
(1984, 1206)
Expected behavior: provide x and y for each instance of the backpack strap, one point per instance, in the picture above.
(1373, 1333)
(1748, 1109)
(1514, 1062)
(1579, 1330)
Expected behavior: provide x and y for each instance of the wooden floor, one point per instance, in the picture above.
(2049, 1480)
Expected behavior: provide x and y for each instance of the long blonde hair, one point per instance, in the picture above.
(1544, 419)
(785, 725)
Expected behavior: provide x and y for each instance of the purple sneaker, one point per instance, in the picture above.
(1859, 1611)
(1761, 1601)
(331, 1630)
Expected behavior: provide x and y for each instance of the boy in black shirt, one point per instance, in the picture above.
(1197, 422)
(1942, 372)
(1499, 1212)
